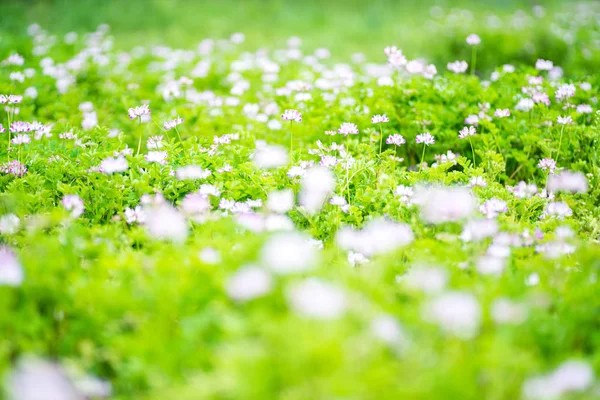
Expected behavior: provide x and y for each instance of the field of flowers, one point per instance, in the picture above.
(229, 221)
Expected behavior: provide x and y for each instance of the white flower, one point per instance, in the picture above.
(456, 313)
(139, 111)
(172, 124)
(502, 113)
(159, 157)
(192, 172)
(317, 185)
(570, 376)
(317, 299)
(525, 105)
(426, 138)
(378, 119)
(584, 109)
(248, 283)
(348, 128)
(270, 156)
(356, 258)
(112, 165)
(378, 236)
(73, 204)
(473, 40)
(458, 67)
(166, 223)
(506, 311)
(564, 120)
(565, 91)
(477, 181)
(11, 272)
(544, 65)
(387, 329)
(209, 255)
(280, 201)
(35, 379)
(288, 252)
(479, 229)
(466, 132)
(568, 181)
(9, 224)
(558, 210)
(439, 205)
(133, 215)
(493, 207)
(291, 115)
(429, 280)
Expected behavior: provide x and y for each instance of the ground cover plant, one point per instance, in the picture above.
(225, 221)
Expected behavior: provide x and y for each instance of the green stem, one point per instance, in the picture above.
(291, 140)
(8, 116)
(473, 59)
(380, 139)
(347, 181)
(473, 151)
(559, 143)
(139, 137)
(422, 157)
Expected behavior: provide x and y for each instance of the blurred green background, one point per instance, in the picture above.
(513, 30)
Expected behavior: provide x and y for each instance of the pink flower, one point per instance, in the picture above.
(544, 65)
(348, 128)
(565, 91)
(378, 119)
(547, 164)
(20, 127)
(138, 112)
(328, 161)
(466, 131)
(458, 67)
(14, 168)
(397, 59)
(21, 139)
(426, 138)
(172, 124)
(502, 113)
(157, 157)
(473, 40)
(2, 130)
(73, 204)
(564, 120)
(541, 98)
(395, 139)
(292, 115)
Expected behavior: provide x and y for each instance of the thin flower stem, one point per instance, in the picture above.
(473, 59)
(473, 151)
(8, 116)
(422, 156)
(139, 137)
(178, 135)
(291, 139)
(380, 139)
(347, 181)
(559, 143)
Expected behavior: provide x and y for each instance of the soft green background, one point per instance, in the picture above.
(342, 26)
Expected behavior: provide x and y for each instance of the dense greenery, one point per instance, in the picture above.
(475, 274)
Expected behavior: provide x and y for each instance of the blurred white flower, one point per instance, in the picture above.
(288, 252)
(456, 313)
(248, 282)
(317, 299)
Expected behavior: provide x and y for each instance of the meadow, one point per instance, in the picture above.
(299, 200)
